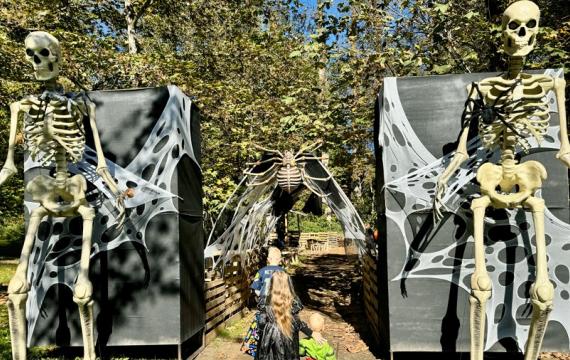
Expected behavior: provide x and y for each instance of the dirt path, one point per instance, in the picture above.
(327, 284)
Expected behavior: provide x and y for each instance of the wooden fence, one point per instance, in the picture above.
(227, 293)
(370, 284)
(331, 239)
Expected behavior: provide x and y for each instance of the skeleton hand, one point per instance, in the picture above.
(440, 190)
(6, 173)
(119, 197)
(564, 156)
(120, 206)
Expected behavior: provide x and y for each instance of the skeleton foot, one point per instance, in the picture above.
(82, 297)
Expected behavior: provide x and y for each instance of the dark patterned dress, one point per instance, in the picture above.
(273, 345)
(260, 284)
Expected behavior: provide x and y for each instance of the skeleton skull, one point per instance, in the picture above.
(43, 52)
(520, 26)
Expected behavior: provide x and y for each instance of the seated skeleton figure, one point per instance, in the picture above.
(54, 134)
(509, 108)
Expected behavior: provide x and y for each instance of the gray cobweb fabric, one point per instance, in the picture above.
(510, 261)
(55, 255)
(254, 217)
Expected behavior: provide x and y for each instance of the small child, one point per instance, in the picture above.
(310, 348)
(259, 285)
(264, 274)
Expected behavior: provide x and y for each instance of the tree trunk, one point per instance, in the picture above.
(130, 16)
(323, 59)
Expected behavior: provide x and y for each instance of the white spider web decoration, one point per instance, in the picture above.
(509, 239)
(55, 255)
(254, 218)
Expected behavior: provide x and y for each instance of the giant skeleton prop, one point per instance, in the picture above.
(54, 133)
(510, 108)
(268, 190)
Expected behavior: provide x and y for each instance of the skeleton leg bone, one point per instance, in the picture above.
(83, 288)
(19, 287)
(542, 291)
(480, 281)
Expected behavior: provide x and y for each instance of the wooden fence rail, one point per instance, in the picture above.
(370, 282)
(227, 293)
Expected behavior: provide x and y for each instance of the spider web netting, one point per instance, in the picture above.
(57, 247)
(255, 215)
(410, 174)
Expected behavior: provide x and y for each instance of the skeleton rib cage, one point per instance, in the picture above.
(52, 124)
(519, 111)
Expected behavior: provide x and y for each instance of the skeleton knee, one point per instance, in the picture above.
(18, 285)
(481, 282)
(542, 293)
(82, 292)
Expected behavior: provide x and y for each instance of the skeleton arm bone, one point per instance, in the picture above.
(102, 169)
(9, 168)
(564, 153)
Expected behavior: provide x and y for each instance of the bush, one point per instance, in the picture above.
(313, 223)
(12, 233)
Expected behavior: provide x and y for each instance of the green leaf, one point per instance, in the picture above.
(295, 54)
(441, 69)
(442, 8)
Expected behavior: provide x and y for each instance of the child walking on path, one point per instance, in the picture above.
(259, 285)
(279, 321)
(312, 349)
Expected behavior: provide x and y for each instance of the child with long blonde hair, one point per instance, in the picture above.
(279, 321)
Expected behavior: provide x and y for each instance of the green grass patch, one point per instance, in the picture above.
(237, 329)
(7, 270)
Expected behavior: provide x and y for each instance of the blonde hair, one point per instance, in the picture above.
(282, 302)
(273, 255)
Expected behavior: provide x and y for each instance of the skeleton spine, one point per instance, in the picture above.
(60, 166)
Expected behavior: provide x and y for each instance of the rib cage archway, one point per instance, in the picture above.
(259, 207)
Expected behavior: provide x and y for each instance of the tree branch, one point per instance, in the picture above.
(141, 11)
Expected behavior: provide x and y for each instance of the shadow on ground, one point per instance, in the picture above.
(332, 285)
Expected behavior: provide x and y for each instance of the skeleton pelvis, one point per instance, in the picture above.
(57, 199)
(509, 187)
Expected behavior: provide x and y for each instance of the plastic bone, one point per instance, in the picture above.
(520, 26)
(43, 52)
(287, 168)
(510, 108)
(53, 133)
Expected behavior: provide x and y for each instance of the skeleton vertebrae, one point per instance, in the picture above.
(287, 168)
(53, 124)
(289, 176)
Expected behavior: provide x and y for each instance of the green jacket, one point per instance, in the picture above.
(309, 347)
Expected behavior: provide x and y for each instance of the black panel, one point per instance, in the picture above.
(432, 314)
(145, 302)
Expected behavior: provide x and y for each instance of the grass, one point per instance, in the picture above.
(236, 330)
(7, 270)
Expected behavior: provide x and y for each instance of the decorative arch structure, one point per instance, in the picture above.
(259, 207)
